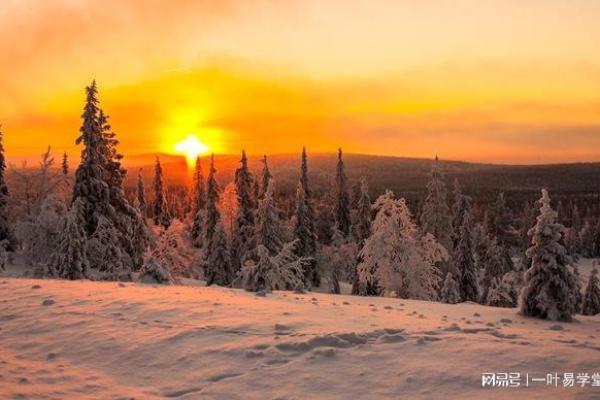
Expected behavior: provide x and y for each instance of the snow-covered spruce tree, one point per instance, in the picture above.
(218, 270)
(159, 209)
(265, 178)
(99, 183)
(269, 231)
(69, 260)
(450, 293)
(342, 199)
(141, 193)
(495, 267)
(198, 204)
(463, 257)
(212, 201)
(284, 270)
(395, 257)
(243, 228)
(90, 184)
(550, 286)
(304, 228)
(362, 222)
(591, 300)
(435, 217)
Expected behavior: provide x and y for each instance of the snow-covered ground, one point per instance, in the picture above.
(108, 340)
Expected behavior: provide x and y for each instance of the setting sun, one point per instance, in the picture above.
(191, 147)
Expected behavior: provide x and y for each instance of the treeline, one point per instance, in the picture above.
(246, 234)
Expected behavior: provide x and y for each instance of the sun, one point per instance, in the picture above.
(191, 147)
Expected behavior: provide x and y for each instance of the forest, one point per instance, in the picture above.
(449, 245)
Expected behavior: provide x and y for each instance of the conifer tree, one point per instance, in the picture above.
(212, 201)
(5, 231)
(550, 287)
(269, 232)
(265, 178)
(464, 261)
(160, 211)
(304, 228)
(435, 217)
(494, 268)
(342, 199)
(578, 289)
(198, 195)
(99, 183)
(243, 230)
(591, 300)
(218, 269)
(500, 220)
(70, 260)
(64, 167)
(362, 223)
(90, 184)
(198, 204)
(459, 207)
(450, 293)
(141, 193)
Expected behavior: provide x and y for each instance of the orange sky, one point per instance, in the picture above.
(500, 81)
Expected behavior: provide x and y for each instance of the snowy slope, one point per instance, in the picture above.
(91, 340)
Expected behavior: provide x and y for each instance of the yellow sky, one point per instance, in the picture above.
(501, 81)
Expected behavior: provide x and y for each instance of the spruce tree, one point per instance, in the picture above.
(243, 230)
(160, 211)
(212, 201)
(90, 184)
(304, 229)
(494, 268)
(591, 300)
(500, 220)
(265, 178)
(464, 260)
(435, 217)
(5, 231)
(362, 223)
(141, 193)
(550, 286)
(218, 269)
(198, 195)
(269, 232)
(198, 204)
(70, 258)
(450, 293)
(99, 184)
(342, 199)
(64, 167)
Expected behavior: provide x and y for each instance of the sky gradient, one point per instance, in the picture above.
(495, 81)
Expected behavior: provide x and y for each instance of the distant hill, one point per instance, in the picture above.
(405, 176)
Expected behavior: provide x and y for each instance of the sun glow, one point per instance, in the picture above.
(192, 148)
